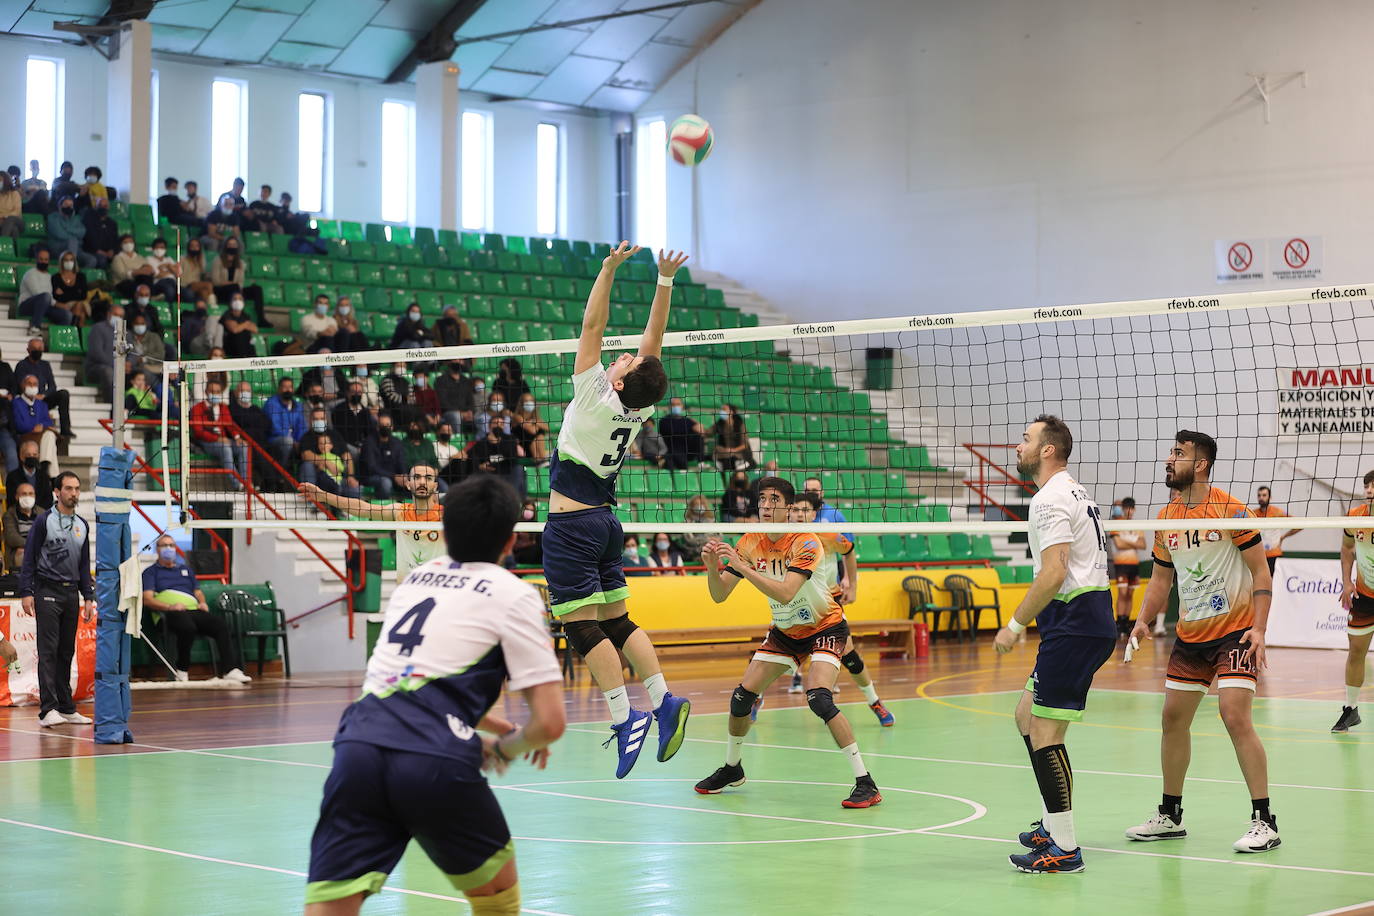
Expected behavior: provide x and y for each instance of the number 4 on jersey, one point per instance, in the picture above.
(408, 639)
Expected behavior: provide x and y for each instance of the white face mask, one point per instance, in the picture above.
(128, 247)
(31, 391)
(69, 265)
(419, 382)
(527, 407)
(498, 406)
(362, 372)
(319, 426)
(236, 305)
(245, 398)
(215, 399)
(632, 553)
(140, 329)
(26, 503)
(159, 252)
(142, 300)
(345, 310)
(661, 544)
(321, 309)
(414, 316)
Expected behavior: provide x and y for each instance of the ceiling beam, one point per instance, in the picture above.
(126, 10)
(570, 23)
(438, 43)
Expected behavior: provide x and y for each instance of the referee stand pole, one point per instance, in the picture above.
(113, 502)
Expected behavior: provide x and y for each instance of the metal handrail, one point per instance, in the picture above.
(1002, 477)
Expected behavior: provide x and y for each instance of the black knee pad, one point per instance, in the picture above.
(583, 635)
(618, 629)
(822, 703)
(853, 662)
(742, 701)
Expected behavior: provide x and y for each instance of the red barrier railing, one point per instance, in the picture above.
(991, 473)
(642, 571)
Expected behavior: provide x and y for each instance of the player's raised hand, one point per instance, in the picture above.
(728, 557)
(669, 263)
(1253, 641)
(622, 253)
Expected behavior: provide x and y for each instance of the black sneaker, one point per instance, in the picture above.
(865, 794)
(1350, 716)
(721, 778)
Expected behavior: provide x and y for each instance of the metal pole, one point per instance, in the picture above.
(121, 349)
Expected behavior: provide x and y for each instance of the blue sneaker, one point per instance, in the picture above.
(885, 718)
(1036, 837)
(629, 741)
(672, 716)
(1049, 860)
(754, 710)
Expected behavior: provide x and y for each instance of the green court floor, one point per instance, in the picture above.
(228, 831)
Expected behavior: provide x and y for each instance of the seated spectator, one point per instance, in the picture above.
(235, 194)
(648, 444)
(238, 329)
(147, 350)
(195, 280)
(8, 446)
(33, 424)
(141, 308)
(683, 436)
(19, 518)
(287, 417)
(698, 513)
(222, 225)
(196, 207)
(446, 448)
(737, 502)
(529, 545)
(102, 234)
(94, 188)
(510, 382)
(254, 426)
(664, 554)
(291, 223)
(319, 324)
(169, 206)
(372, 394)
(64, 186)
(228, 273)
(495, 412)
(450, 330)
(67, 232)
(732, 450)
(32, 472)
(262, 214)
(187, 618)
(395, 391)
(34, 190)
(424, 403)
(384, 465)
(418, 449)
(411, 331)
(532, 431)
(99, 360)
(331, 472)
(330, 383)
(165, 271)
(455, 393)
(317, 424)
(140, 401)
(213, 429)
(205, 378)
(35, 296)
(353, 421)
(57, 399)
(348, 335)
(11, 208)
(497, 453)
(69, 289)
(635, 565)
(129, 268)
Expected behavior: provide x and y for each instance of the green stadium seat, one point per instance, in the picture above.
(9, 279)
(959, 547)
(65, 339)
(281, 243)
(292, 269)
(385, 252)
(494, 241)
(449, 240)
(328, 228)
(376, 232)
(272, 292)
(472, 241)
(870, 548)
(256, 243)
(362, 251)
(297, 295)
(492, 283)
(344, 272)
(582, 249)
(263, 267)
(424, 237)
(894, 547)
(142, 213)
(516, 244)
(478, 307)
(401, 235)
(409, 255)
(937, 547)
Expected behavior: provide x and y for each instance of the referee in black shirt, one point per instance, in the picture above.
(54, 579)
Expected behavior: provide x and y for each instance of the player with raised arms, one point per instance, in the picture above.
(807, 623)
(1070, 598)
(408, 755)
(413, 547)
(1223, 598)
(583, 541)
(1357, 597)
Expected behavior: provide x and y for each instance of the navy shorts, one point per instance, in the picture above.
(377, 798)
(1064, 669)
(584, 559)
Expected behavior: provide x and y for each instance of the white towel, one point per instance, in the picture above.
(131, 595)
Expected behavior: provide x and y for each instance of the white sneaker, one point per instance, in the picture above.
(183, 675)
(1159, 827)
(237, 675)
(52, 718)
(1260, 837)
(76, 718)
(1159, 629)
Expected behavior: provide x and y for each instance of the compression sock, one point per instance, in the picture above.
(870, 693)
(658, 689)
(856, 763)
(734, 749)
(1052, 773)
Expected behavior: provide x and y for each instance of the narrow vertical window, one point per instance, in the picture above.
(43, 115)
(398, 161)
(548, 182)
(228, 134)
(651, 183)
(477, 180)
(154, 116)
(312, 153)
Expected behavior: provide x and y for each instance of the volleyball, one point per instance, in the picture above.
(690, 140)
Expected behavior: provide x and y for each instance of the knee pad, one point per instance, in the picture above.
(618, 629)
(742, 702)
(583, 635)
(822, 703)
(504, 903)
(853, 662)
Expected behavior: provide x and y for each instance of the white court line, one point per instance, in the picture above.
(1258, 699)
(237, 864)
(1244, 863)
(159, 749)
(1354, 908)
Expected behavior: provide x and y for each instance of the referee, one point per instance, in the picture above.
(55, 576)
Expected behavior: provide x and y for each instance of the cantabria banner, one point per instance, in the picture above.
(1307, 610)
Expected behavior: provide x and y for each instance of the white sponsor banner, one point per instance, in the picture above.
(1307, 611)
(1240, 260)
(1326, 401)
(1296, 257)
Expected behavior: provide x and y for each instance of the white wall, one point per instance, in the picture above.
(184, 133)
(882, 157)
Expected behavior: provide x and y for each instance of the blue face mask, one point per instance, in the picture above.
(724, 414)
(167, 553)
(676, 410)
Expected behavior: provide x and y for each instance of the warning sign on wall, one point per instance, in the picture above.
(1240, 260)
(1296, 257)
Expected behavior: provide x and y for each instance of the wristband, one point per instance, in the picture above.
(496, 747)
(1016, 626)
(665, 281)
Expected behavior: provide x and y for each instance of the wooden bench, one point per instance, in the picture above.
(897, 633)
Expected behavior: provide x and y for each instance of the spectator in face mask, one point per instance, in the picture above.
(66, 232)
(228, 273)
(737, 502)
(353, 420)
(222, 225)
(102, 234)
(64, 186)
(213, 430)
(23, 509)
(288, 421)
(142, 310)
(238, 330)
(529, 545)
(690, 544)
(165, 271)
(683, 436)
(147, 351)
(32, 473)
(663, 553)
(189, 618)
(495, 413)
(532, 431)
(418, 449)
(11, 208)
(100, 340)
(411, 331)
(129, 268)
(33, 424)
(348, 336)
(69, 289)
(635, 565)
(317, 424)
(319, 325)
(424, 401)
(35, 296)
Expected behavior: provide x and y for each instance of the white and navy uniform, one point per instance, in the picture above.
(1077, 629)
(407, 757)
(583, 550)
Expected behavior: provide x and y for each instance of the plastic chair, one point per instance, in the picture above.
(243, 609)
(965, 591)
(920, 593)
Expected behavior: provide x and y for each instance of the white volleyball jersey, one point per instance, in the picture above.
(452, 635)
(1062, 512)
(595, 436)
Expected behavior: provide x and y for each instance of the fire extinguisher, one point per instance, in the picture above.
(922, 633)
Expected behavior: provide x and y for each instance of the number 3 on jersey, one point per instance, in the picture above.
(408, 639)
(621, 439)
